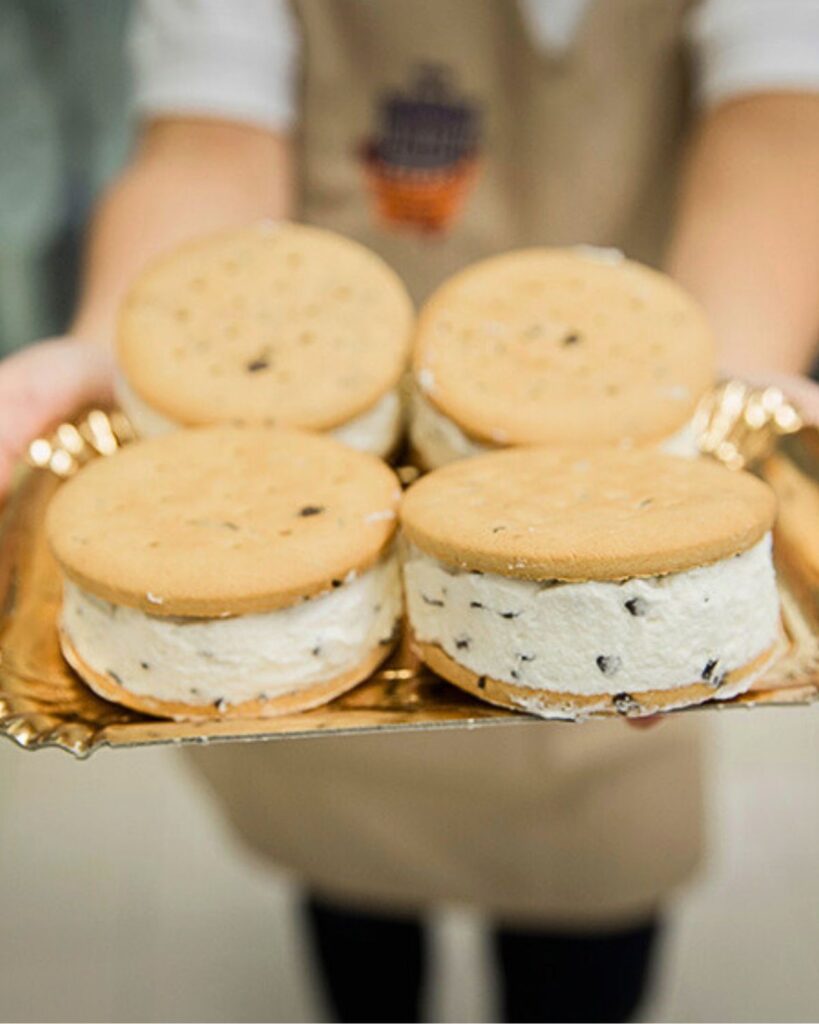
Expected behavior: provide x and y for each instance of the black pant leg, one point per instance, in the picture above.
(554, 976)
(372, 966)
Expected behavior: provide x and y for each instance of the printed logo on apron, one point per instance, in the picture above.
(423, 159)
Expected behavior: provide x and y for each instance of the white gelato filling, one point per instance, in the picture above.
(600, 254)
(376, 430)
(145, 420)
(231, 660)
(436, 438)
(599, 637)
(439, 440)
(684, 443)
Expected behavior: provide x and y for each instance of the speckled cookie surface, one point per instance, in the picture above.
(223, 520)
(277, 323)
(537, 513)
(547, 345)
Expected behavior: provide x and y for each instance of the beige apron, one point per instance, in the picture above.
(570, 824)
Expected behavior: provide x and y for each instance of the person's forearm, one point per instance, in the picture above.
(746, 240)
(188, 177)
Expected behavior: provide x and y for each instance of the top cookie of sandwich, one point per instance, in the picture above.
(570, 346)
(537, 513)
(223, 520)
(274, 323)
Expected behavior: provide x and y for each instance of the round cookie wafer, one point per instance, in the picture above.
(563, 346)
(571, 706)
(536, 513)
(223, 520)
(276, 323)
(285, 704)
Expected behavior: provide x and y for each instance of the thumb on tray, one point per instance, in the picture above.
(44, 384)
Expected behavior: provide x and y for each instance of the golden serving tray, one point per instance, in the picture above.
(43, 703)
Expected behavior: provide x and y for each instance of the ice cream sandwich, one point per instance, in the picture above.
(573, 347)
(628, 582)
(277, 324)
(228, 571)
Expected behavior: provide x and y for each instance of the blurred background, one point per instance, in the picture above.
(64, 131)
(124, 899)
(122, 896)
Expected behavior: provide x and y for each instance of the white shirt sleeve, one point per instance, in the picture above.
(751, 46)
(234, 59)
(239, 59)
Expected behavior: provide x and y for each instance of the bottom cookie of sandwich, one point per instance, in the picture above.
(302, 699)
(572, 706)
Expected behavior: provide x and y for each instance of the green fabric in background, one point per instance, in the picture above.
(65, 128)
